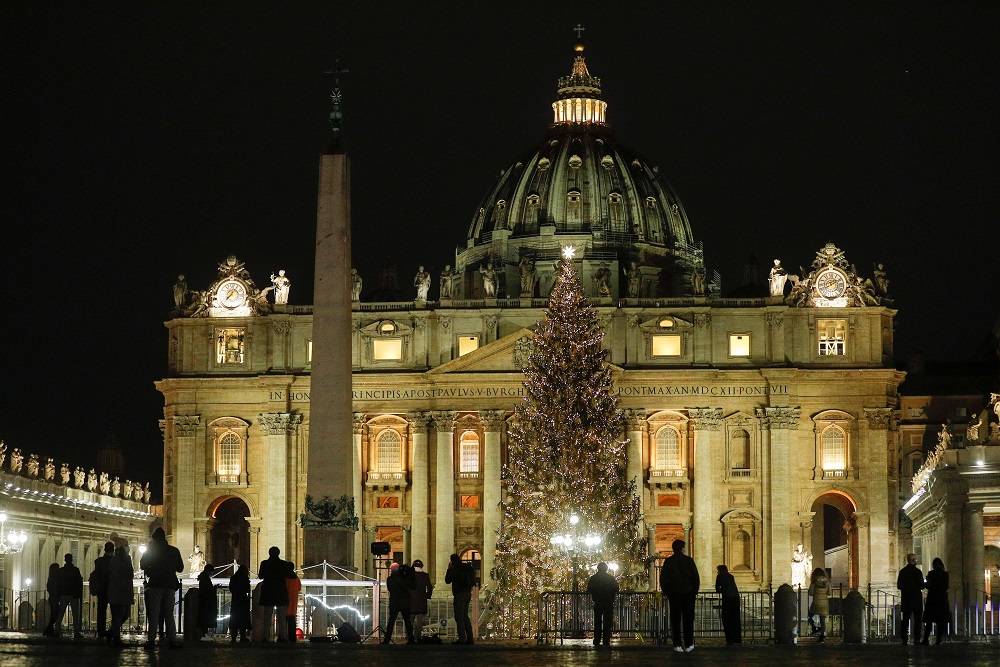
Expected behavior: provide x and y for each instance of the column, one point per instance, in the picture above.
(779, 425)
(882, 503)
(493, 425)
(277, 427)
(650, 553)
(185, 430)
(974, 543)
(407, 551)
(444, 506)
(256, 555)
(862, 541)
(706, 520)
(419, 493)
(635, 422)
(359, 540)
(369, 557)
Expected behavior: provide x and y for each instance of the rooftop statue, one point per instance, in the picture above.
(281, 286)
(355, 285)
(180, 292)
(422, 281)
(529, 276)
(489, 280)
(446, 277)
(603, 279)
(777, 279)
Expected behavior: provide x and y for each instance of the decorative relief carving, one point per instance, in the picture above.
(493, 420)
(279, 423)
(706, 418)
(419, 421)
(282, 327)
(523, 348)
(702, 320)
(633, 321)
(774, 319)
(185, 426)
(444, 420)
(879, 418)
(490, 322)
(358, 419)
(635, 418)
(329, 513)
(779, 418)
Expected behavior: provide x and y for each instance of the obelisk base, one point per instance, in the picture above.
(334, 545)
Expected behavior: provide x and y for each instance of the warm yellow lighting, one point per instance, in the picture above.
(387, 349)
(467, 344)
(568, 252)
(739, 345)
(666, 345)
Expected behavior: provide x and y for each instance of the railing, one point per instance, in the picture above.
(883, 615)
(564, 614)
(982, 617)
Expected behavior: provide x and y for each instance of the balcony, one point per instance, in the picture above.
(387, 480)
(668, 478)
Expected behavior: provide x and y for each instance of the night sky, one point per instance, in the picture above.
(140, 142)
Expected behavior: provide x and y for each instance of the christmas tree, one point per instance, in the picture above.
(565, 458)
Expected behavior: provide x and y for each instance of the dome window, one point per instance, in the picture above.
(607, 162)
(573, 197)
(534, 201)
(650, 202)
(615, 198)
(666, 323)
(543, 164)
(575, 162)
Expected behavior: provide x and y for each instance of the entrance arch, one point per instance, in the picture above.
(834, 537)
(229, 535)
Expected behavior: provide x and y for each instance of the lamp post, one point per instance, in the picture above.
(573, 543)
(12, 542)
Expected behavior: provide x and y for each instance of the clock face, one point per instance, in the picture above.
(231, 294)
(831, 284)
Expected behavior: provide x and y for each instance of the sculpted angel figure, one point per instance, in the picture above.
(422, 281)
(944, 437)
(281, 285)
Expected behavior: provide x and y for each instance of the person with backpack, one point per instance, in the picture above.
(462, 578)
(98, 584)
(819, 590)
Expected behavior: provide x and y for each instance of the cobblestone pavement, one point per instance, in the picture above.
(24, 651)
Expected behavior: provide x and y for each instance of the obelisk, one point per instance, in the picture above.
(328, 532)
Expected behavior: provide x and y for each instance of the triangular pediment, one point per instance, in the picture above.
(507, 354)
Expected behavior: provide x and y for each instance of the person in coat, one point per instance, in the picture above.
(603, 588)
(421, 593)
(208, 602)
(160, 564)
(462, 578)
(294, 586)
(100, 587)
(819, 589)
(52, 591)
(399, 583)
(679, 581)
(121, 593)
(239, 607)
(725, 585)
(910, 582)
(274, 593)
(936, 610)
(70, 595)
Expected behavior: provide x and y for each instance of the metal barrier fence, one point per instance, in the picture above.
(28, 611)
(982, 617)
(564, 614)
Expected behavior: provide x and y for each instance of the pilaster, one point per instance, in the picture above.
(278, 429)
(778, 426)
(707, 422)
(444, 506)
(420, 492)
(185, 432)
(493, 425)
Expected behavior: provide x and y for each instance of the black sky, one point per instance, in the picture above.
(142, 141)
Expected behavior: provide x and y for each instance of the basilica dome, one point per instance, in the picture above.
(583, 188)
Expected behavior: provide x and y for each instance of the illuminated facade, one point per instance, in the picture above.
(755, 424)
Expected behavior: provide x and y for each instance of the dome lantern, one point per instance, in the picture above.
(579, 94)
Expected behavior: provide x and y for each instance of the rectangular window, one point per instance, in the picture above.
(832, 337)
(387, 349)
(309, 351)
(739, 345)
(387, 502)
(470, 502)
(666, 345)
(668, 500)
(229, 345)
(467, 344)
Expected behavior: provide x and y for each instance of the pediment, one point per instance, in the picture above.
(507, 354)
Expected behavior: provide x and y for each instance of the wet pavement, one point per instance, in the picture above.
(23, 651)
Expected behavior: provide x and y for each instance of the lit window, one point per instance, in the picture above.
(470, 502)
(834, 443)
(832, 337)
(739, 345)
(229, 344)
(390, 451)
(309, 351)
(469, 452)
(668, 448)
(467, 344)
(387, 502)
(387, 349)
(387, 327)
(230, 450)
(665, 323)
(666, 345)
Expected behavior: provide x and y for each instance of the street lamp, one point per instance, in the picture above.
(573, 543)
(12, 542)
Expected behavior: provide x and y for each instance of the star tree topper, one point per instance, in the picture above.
(568, 252)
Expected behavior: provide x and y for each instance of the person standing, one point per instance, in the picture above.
(725, 585)
(99, 587)
(160, 563)
(120, 593)
(679, 581)
(462, 578)
(70, 595)
(400, 583)
(819, 589)
(208, 603)
(910, 582)
(294, 586)
(239, 607)
(421, 593)
(603, 588)
(936, 611)
(274, 593)
(52, 590)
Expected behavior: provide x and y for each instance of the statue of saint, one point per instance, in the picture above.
(79, 477)
(104, 483)
(355, 285)
(16, 461)
(281, 286)
(197, 560)
(489, 280)
(50, 469)
(801, 566)
(603, 279)
(127, 489)
(529, 276)
(446, 282)
(698, 280)
(422, 281)
(180, 292)
(944, 437)
(33, 465)
(146, 493)
(777, 279)
(881, 281)
(137, 492)
(634, 280)
(64, 474)
(3, 452)
(92, 480)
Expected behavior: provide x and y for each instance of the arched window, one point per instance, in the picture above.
(739, 450)
(834, 448)
(668, 448)
(390, 451)
(230, 457)
(469, 453)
